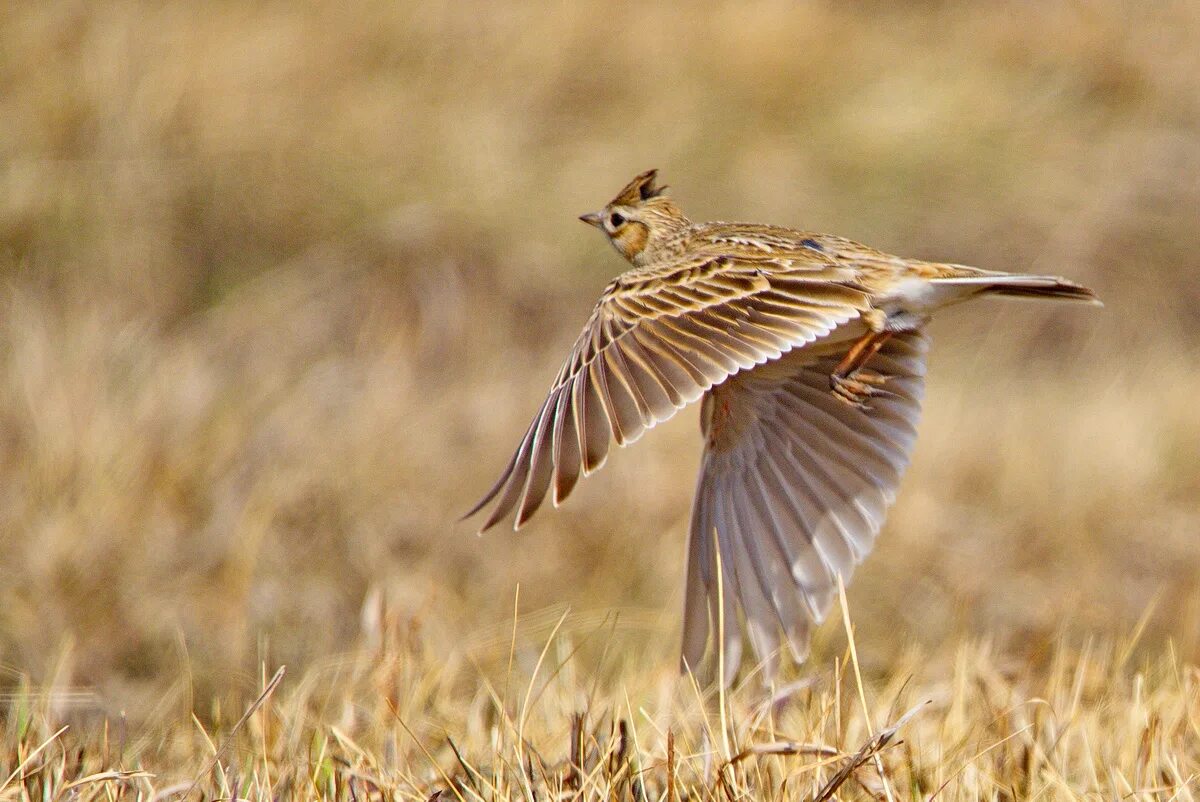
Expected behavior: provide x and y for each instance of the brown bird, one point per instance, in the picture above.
(808, 356)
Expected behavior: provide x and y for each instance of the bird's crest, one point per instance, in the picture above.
(641, 188)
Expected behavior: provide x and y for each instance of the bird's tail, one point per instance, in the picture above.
(1018, 286)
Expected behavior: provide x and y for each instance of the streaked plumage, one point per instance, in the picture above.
(808, 355)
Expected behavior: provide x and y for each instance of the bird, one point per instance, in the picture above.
(806, 353)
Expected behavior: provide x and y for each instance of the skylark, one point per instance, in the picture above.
(807, 353)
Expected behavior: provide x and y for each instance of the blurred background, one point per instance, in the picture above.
(282, 284)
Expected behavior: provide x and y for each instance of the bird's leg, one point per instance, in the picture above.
(849, 381)
(860, 353)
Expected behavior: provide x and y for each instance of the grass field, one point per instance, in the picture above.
(283, 283)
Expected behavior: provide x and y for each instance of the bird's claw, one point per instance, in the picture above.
(857, 388)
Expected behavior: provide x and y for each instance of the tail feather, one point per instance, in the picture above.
(1019, 286)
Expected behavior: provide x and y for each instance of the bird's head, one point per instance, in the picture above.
(639, 218)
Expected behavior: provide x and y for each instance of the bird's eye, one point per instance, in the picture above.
(616, 220)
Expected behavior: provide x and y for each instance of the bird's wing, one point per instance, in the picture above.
(656, 341)
(793, 488)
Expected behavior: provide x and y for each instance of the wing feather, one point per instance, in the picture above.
(631, 409)
(696, 617)
(832, 552)
(657, 386)
(657, 341)
(514, 483)
(592, 422)
(796, 484)
(726, 602)
(686, 380)
(686, 340)
(541, 460)
(809, 569)
(762, 619)
(568, 458)
(655, 402)
(770, 555)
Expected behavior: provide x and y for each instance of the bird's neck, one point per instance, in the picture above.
(668, 238)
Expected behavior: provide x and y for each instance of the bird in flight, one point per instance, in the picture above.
(806, 352)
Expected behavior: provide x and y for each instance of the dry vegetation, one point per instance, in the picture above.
(282, 283)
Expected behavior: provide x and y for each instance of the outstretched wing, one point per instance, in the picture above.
(793, 489)
(655, 342)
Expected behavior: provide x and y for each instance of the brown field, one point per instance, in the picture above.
(283, 282)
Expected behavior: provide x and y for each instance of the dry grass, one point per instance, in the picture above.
(282, 283)
(487, 720)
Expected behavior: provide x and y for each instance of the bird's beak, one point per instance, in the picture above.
(593, 219)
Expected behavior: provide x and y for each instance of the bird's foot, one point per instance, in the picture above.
(857, 388)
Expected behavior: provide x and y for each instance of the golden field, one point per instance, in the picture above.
(283, 283)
